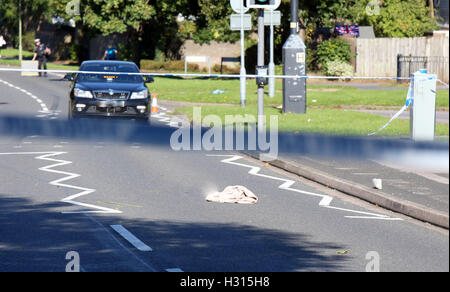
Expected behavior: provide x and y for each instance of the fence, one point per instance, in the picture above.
(406, 65)
(380, 57)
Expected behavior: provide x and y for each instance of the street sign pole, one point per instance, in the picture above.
(243, 80)
(261, 119)
(272, 62)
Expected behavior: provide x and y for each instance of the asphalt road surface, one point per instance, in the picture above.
(133, 206)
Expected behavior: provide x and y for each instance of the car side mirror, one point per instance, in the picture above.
(149, 79)
(69, 77)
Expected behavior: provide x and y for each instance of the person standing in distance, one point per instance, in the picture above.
(41, 52)
(110, 53)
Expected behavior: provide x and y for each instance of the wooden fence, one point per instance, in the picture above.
(378, 57)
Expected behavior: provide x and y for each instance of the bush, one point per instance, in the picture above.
(339, 68)
(152, 65)
(332, 50)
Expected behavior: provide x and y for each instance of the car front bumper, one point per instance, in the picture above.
(121, 108)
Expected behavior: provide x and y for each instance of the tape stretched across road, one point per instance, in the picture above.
(250, 76)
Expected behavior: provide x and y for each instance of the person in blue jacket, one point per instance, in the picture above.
(110, 53)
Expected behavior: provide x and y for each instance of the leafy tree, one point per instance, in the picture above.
(397, 18)
(32, 12)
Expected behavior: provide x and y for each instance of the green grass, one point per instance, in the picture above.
(50, 66)
(13, 53)
(325, 121)
(318, 96)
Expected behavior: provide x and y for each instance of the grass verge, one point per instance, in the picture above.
(325, 121)
(318, 96)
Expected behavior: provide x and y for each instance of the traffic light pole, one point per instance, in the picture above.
(261, 119)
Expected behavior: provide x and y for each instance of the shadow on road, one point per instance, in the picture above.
(37, 237)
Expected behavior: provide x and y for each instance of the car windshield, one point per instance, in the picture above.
(108, 68)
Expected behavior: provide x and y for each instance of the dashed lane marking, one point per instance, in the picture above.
(34, 97)
(137, 243)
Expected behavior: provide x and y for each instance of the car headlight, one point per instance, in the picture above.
(82, 93)
(140, 94)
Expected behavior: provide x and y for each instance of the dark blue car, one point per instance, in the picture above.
(109, 94)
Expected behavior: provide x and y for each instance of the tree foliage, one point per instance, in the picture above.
(158, 28)
(397, 18)
(32, 12)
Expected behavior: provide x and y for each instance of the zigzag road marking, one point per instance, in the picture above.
(325, 201)
(162, 117)
(47, 156)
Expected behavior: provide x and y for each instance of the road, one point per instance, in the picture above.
(134, 206)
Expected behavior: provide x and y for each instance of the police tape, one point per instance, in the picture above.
(237, 76)
(409, 97)
(409, 101)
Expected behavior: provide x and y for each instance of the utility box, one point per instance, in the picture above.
(423, 110)
(294, 61)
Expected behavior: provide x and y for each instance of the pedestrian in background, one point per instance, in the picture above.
(2, 44)
(110, 52)
(41, 52)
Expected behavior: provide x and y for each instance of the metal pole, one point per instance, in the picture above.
(294, 16)
(243, 80)
(20, 31)
(272, 63)
(261, 124)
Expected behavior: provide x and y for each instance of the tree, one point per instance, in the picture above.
(396, 18)
(32, 12)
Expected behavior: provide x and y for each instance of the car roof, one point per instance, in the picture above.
(108, 62)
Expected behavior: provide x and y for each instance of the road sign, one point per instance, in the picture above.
(236, 22)
(272, 17)
(263, 4)
(237, 6)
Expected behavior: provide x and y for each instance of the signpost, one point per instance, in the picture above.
(238, 7)
(272, 18)
(242, 6)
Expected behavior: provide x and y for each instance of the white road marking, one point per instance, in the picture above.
(162, 117)
(120, 243)
(325, 201)
(131, 238)
(68, 176)
(39, 101)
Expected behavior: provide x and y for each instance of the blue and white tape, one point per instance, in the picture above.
(409, 101)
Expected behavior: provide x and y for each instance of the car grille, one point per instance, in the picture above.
(111, 95)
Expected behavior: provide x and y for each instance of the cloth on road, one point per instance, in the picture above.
(233, 194)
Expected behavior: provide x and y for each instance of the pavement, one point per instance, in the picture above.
(421, 194)
(66, 186)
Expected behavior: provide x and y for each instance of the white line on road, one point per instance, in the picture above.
(68, 176)
(325, 201)
(131, 238)
(39, 101)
